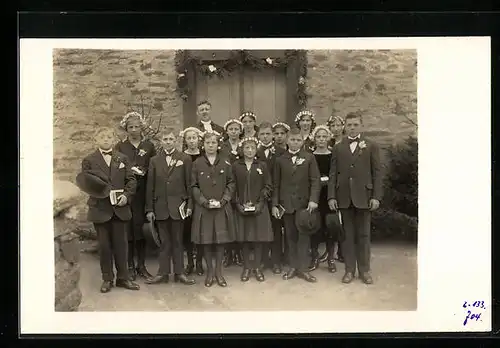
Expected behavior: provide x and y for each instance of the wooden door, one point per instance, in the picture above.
(223, 93)
(264, 93)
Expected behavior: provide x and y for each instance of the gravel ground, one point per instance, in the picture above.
(395, 288)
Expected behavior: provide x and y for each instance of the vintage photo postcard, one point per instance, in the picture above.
(255, 185)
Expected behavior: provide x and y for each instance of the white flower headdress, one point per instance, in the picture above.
(231, 121)
(281, 124)
(125, 119)
(334, 118)
(303, 113)
(248, 113)
(205, 133)
(244, 140)
(189, 129)
(321, 127)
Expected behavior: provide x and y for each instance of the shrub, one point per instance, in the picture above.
(397, 219)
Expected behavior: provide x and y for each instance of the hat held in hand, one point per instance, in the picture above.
(92, 184)
(308, 222)
(334, 226)
(151, 233)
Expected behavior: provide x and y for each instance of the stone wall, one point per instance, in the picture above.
(97, 87)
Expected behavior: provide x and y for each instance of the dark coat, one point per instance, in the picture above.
(227, 152)
(308, 144)
(275, 152)
(253, 186)
(212, 226)
(138, 157)
(295, 185)
(355, 177)
(169, 186)
(120, 176)
(215, 127)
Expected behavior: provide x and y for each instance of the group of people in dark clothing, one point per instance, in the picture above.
(260, 196)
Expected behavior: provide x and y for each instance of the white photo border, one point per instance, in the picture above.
(454, 248)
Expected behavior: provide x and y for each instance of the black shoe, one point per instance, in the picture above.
(348, 277)
(259, 275)
(199, 269)
(307, 277)
(237, 259)
(291, 273)
(314, 264)
(106, 286)
(277, 269)
(228, 260)
(221, 281)
(157, 279)
(127, 284)
(143, 272)
(182, 278)
(245, 275)
(132, 273)
(209, 281)
(189, 269)
(332, 268)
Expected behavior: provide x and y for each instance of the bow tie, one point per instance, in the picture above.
(266, 147)
(355, 140)
(107, 153)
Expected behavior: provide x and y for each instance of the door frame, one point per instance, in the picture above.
(293, 71)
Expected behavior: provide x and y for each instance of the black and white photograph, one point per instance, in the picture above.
(260, 180)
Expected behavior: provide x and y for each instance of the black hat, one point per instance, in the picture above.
(333, 225)
(151, 233)
(92, 184)
(308, 222)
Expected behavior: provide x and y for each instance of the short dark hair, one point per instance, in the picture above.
(294, 131)
(352, 115)
(204, 102)
(169, 130)
(266, 125)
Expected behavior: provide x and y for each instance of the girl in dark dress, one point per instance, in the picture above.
(336, 126)
(249, 121)
(253, 220)
(305, 121)
(191, 139)
(323, 157)
(231, 150)
(213, 223)
(139, 151)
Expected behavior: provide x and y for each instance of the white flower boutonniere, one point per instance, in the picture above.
(222, 171)
(234, 152)
(142, 152)
(121, 165)
(179, 163)
(362, 144)
(259, 171)
(272, 150)
(299, 161)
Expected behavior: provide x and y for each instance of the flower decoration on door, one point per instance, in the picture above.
(187, 64)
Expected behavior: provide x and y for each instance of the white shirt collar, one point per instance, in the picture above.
(102, 151)
(169, 153)
(294, 152)
(356, 137)
(206, 122)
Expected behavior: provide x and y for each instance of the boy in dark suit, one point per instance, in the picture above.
(296, 187)
(355, 187)
(205, 123)
(267, 151)
(168, 187)
(110, 221)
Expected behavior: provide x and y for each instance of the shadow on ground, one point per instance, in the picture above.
(395, 289)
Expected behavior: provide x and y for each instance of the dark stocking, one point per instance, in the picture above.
(258, 249)
(246, 255)
(219, 256)
(208, 254)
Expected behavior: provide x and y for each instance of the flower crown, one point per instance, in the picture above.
(299, 116)
(334, 118)
(203, 134)
(244, 140)
(281, 124)
(124, 121)
(248, 113)
(231, 121)
(189, 129)
(321, 127)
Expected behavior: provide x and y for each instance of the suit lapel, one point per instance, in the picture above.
(101, 163)
(173, 161)
(113, 165)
